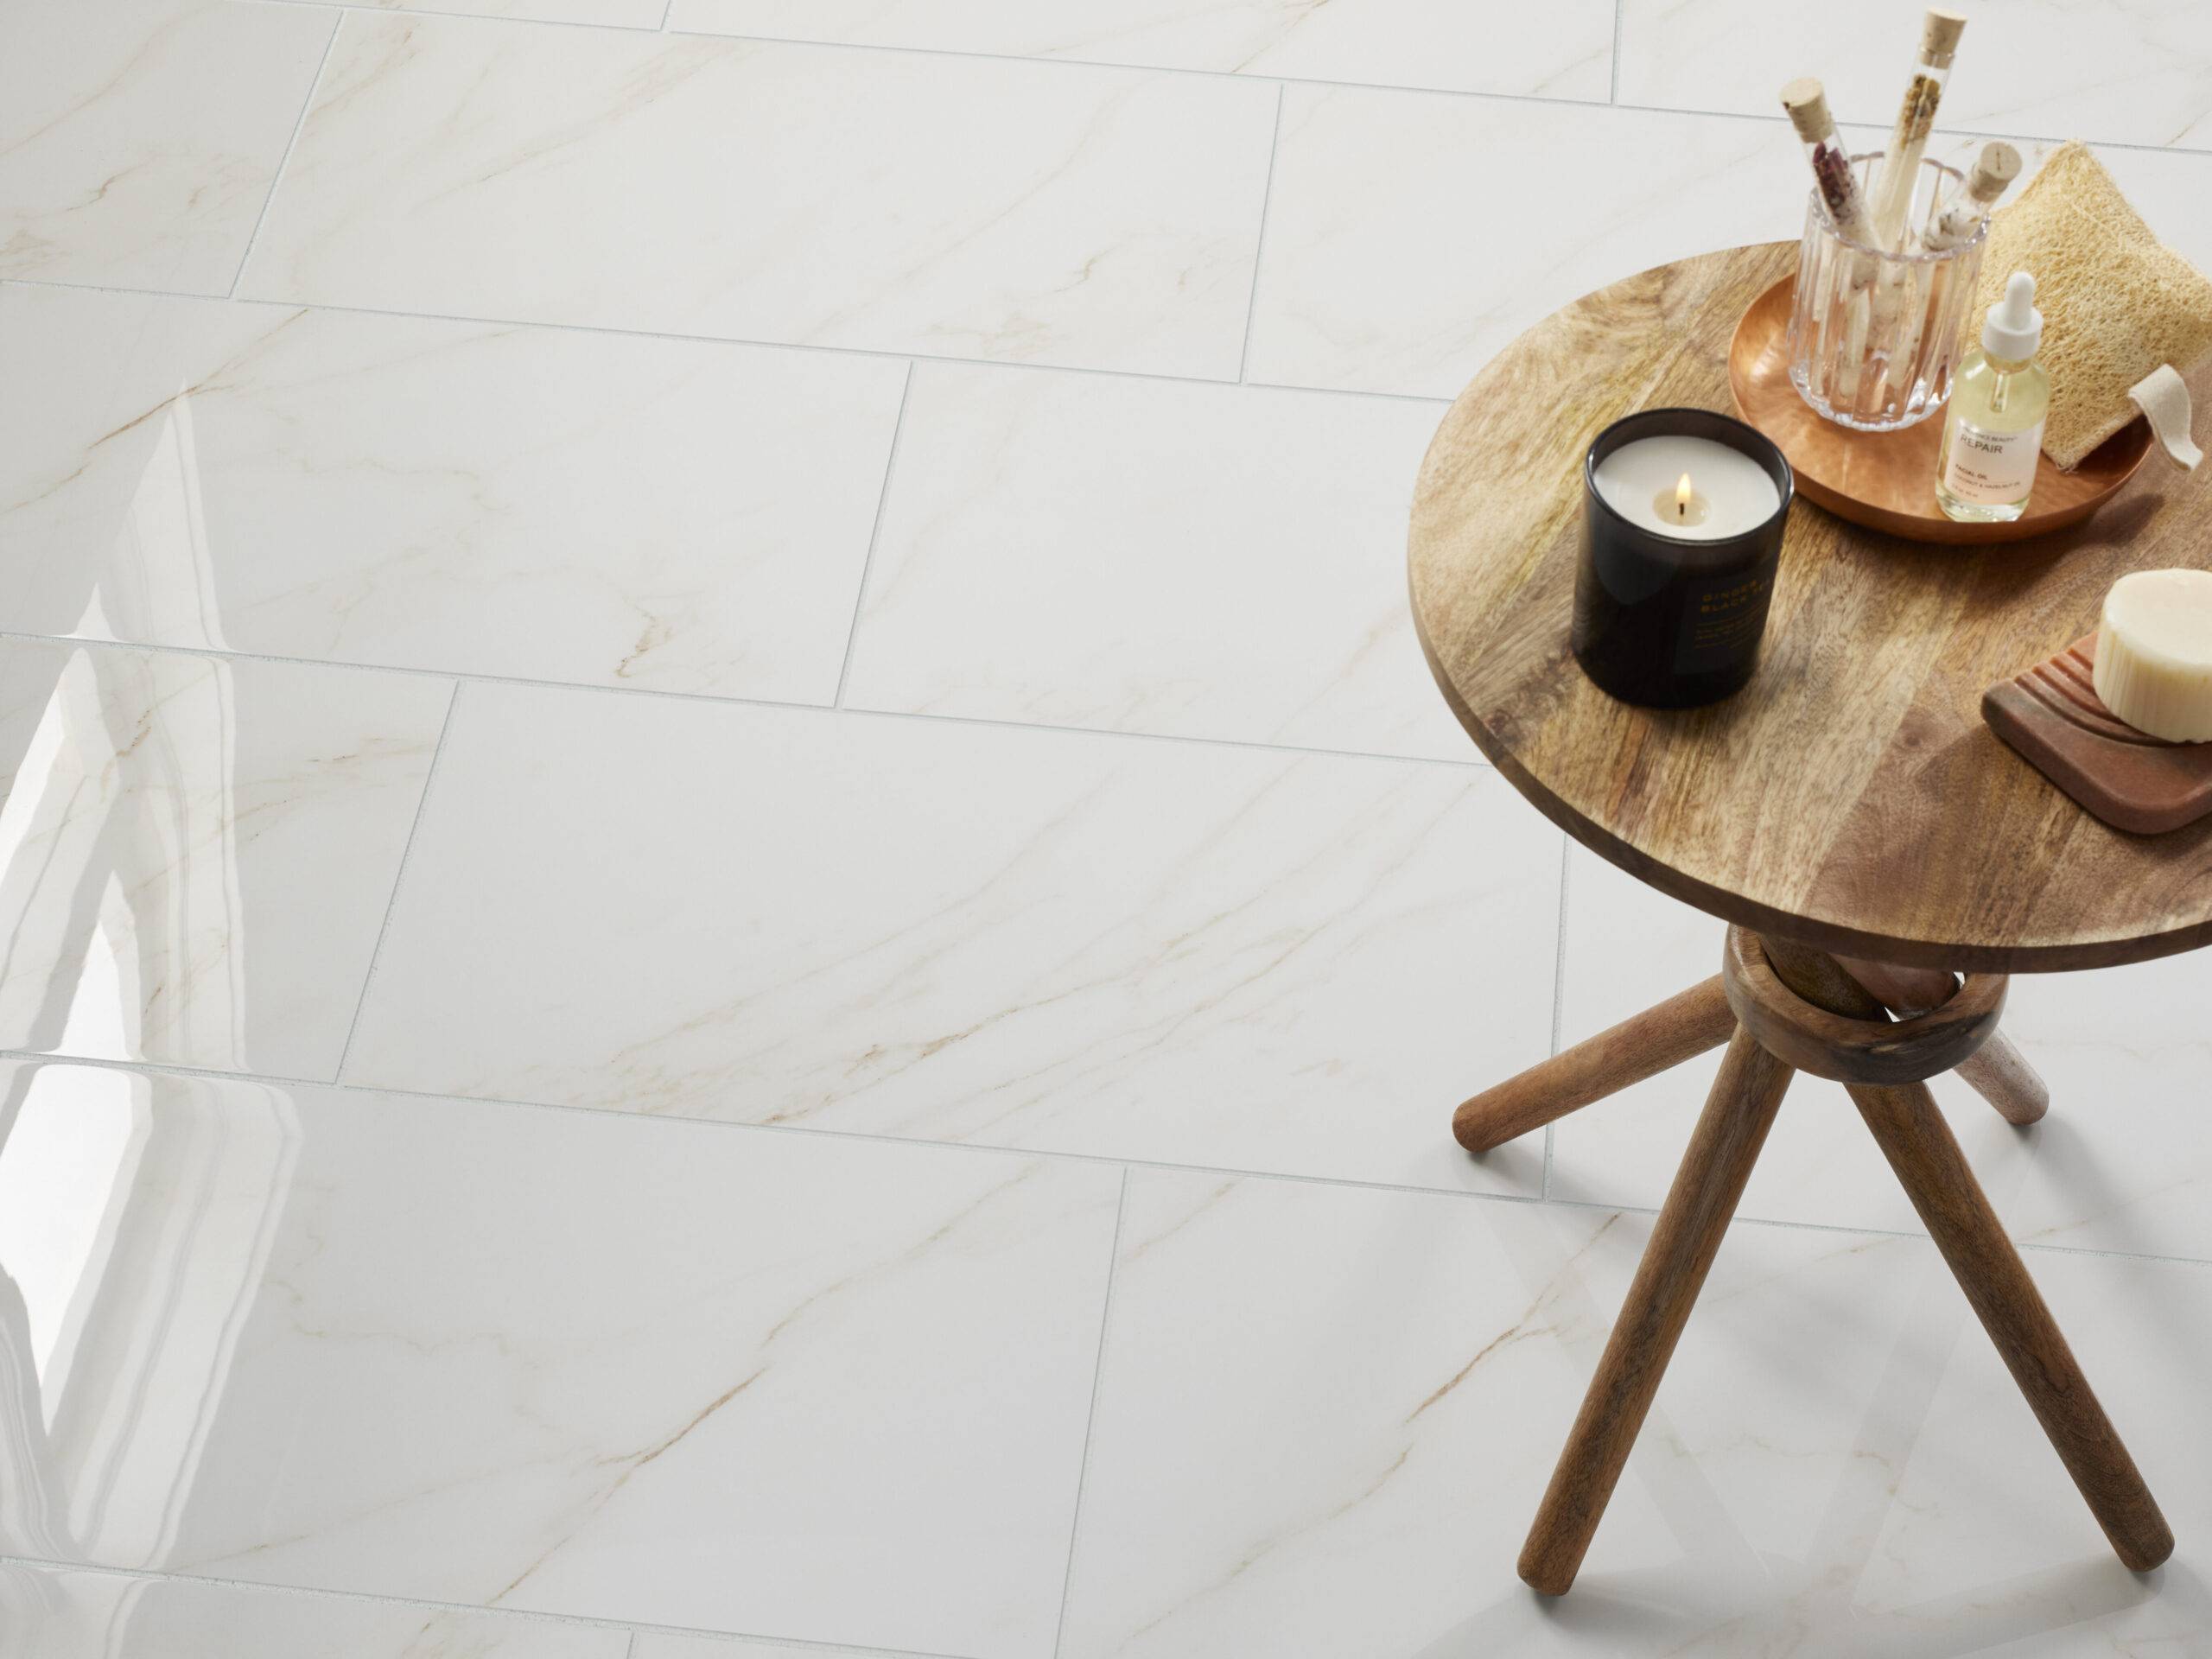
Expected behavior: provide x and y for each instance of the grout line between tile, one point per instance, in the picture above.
(522, 1615)
(1388, 86)
(744, 342)
(1259, 241)
(161, 1068)
(277, 178)
(630, 1647)
(1474, 762)
(1559, 983)
(1614, 90)
(1091, 1417)
(399, 879)
(1430, 398)
(1207, 74)
(409, 8)
(874, 535)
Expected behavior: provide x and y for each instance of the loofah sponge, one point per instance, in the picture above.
(2116, 301)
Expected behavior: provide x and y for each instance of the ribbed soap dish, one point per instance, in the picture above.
(2052, 715)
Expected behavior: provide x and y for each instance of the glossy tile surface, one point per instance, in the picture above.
(2124, 1159)
(1179, 952)
(73, 1613)
(1201, 560)
(966, 207)
(669, 1373)
(1068, 1258)
(1475, 47)
(196, 853)
(545, 504)
(1837, 1464)
(138, 138)
(2136, 71)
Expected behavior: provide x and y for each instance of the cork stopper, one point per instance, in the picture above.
(1808, 103)
(1939, 33)
(1996, 166)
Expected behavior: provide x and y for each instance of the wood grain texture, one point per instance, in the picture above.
(1998, 1071)
(1737, 1114)
(1871, 1048)
(1661, 1037)
(1913, 1135)
(2052, 715)
(1887, 480)
(1851, 796)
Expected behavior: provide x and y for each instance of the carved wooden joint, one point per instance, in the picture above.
(1845, 1050)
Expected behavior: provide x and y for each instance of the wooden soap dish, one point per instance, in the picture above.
(2052, 715)
(1887, 480)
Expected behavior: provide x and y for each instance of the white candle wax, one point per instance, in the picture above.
(1734, 490)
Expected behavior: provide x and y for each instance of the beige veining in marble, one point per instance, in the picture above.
(683, 516)
(139, 138)
(1044, 213)
(1064, 941)
(195, 854)
(1471, 46)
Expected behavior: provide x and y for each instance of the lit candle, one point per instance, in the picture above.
(1683, 517)
(1691, 487)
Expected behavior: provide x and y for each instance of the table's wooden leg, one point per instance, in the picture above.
(1682, 1026)
(1737, 1114)
(1921, 1148)
(1997, 1071)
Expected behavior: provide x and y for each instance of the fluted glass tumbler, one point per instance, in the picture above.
(1874, 335)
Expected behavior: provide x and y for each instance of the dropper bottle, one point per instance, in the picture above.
(1994, 431)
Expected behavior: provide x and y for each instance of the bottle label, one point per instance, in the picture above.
(1992, 469)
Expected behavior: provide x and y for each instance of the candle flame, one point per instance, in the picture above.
(1682, 497)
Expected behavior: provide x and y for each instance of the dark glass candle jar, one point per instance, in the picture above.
(1671, 598)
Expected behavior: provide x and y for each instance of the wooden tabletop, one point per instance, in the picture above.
(1850, 797)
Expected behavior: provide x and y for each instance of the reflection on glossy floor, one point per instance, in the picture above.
(736, 923)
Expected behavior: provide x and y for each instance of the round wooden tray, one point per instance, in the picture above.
(1887, 480)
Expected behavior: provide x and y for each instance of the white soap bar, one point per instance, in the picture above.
(2154, 653)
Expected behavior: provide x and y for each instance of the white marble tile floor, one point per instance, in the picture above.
(735, 923)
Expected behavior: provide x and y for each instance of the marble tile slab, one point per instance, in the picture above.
(138, 138)
(1325, 1417)
(2123, 1160)
(1484, 46)
(1055, 940)
(2128, 71)
(78, 1613)
(1142, 555)
(548, 504)
(1628, 946)
(554, 1362)
(196, 854)
(1410, 236)
(957, 206)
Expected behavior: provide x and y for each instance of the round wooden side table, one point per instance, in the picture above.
(1849, 811)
